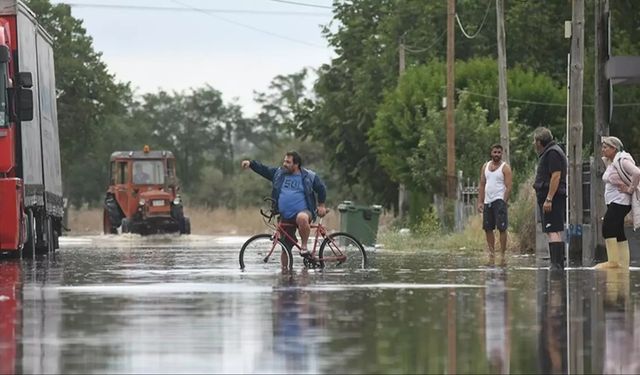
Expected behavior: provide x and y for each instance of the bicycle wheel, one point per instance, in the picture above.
(338, 244)
(255, 250)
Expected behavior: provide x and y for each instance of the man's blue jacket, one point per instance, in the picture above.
(311, 182)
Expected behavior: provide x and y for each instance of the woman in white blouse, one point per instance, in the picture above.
(620, 181)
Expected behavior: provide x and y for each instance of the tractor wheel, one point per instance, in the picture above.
(107, 226)
(125, 226)
(185, 225)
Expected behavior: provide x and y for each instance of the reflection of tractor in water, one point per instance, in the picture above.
(143, 194)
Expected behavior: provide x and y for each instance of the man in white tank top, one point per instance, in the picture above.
(493, 196)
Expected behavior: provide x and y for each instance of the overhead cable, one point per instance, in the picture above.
(420, 50)
(486, 13)
(540, 103)
(208, 10)
(249, 26)
(302, 4)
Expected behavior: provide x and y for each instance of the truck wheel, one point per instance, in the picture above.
(43, 234)
(125, 226)
(107, 226)
(30, 245)
(185, 225)
(51, 236)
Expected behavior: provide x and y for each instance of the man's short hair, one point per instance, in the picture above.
(496, 145)
(297, 159)
(543, 135)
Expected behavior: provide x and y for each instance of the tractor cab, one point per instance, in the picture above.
(143, 194)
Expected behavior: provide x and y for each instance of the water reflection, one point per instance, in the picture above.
(10, 322)
(298, 318)
(41, 323)
(552, 319)
(496, 321)
(138, 309)
(621, 326)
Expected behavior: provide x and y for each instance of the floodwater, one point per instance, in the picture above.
(110, 304)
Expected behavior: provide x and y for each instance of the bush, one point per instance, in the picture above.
(428, 224)
(522, 217)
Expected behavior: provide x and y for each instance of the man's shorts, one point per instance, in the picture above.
(291, 229)
(495, 215)
(553, 221)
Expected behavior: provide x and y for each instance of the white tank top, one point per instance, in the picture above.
(494, 187)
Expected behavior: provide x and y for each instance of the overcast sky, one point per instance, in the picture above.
(236, 46)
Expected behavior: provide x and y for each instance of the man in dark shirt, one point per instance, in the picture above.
(551, 192)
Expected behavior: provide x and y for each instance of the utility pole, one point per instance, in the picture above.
(575, 133)
(502, 81)
(451, 132)
(601, 126)
(402, 189)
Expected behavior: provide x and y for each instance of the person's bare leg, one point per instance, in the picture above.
(491, 243)
(284, 260)
(503, 247)
(304, 228)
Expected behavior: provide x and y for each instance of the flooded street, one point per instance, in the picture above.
(110, 304)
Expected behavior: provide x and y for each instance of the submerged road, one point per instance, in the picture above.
(164, 304)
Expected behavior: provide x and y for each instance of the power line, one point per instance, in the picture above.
(248, 26)
(302, 4)
(540, 103)
(420, 50)
(486, 13)
(173, 9)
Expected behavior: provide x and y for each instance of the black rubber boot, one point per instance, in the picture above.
(556, 255)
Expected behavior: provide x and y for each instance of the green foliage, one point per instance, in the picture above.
(429, 223)
(409, 136)
(87, 97)
(193, 126)
(361, 128)
(522, 216)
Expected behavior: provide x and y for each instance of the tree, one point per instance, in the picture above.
(87, 96)
(409, 133)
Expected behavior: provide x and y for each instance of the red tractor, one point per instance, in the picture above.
(143, 194)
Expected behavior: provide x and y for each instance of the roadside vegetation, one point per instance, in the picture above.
(360, 125)
(430, 234)
(205, 221)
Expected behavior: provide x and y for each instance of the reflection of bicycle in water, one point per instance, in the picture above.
(496, 320)
(299, 317)
(273, 251)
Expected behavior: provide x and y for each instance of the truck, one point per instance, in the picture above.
(31, 199)
(143, 196)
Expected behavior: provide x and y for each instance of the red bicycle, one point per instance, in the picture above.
(270, 251)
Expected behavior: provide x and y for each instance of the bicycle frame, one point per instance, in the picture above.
(320, 233)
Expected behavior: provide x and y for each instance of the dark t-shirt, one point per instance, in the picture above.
(555, 162)
(551, 160)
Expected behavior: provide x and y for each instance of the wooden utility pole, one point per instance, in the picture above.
(451, 132)
(502, 81)
(402, 189)
(601, 126)
(575, 133)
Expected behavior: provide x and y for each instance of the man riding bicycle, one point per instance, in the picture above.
(294, 190)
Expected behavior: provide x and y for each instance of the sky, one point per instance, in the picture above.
(236, 46)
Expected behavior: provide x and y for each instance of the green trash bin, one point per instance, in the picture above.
(360, 221)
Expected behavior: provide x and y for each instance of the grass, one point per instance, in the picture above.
(472, 238)
(247, 221)
(204, 221)
(520, 240)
